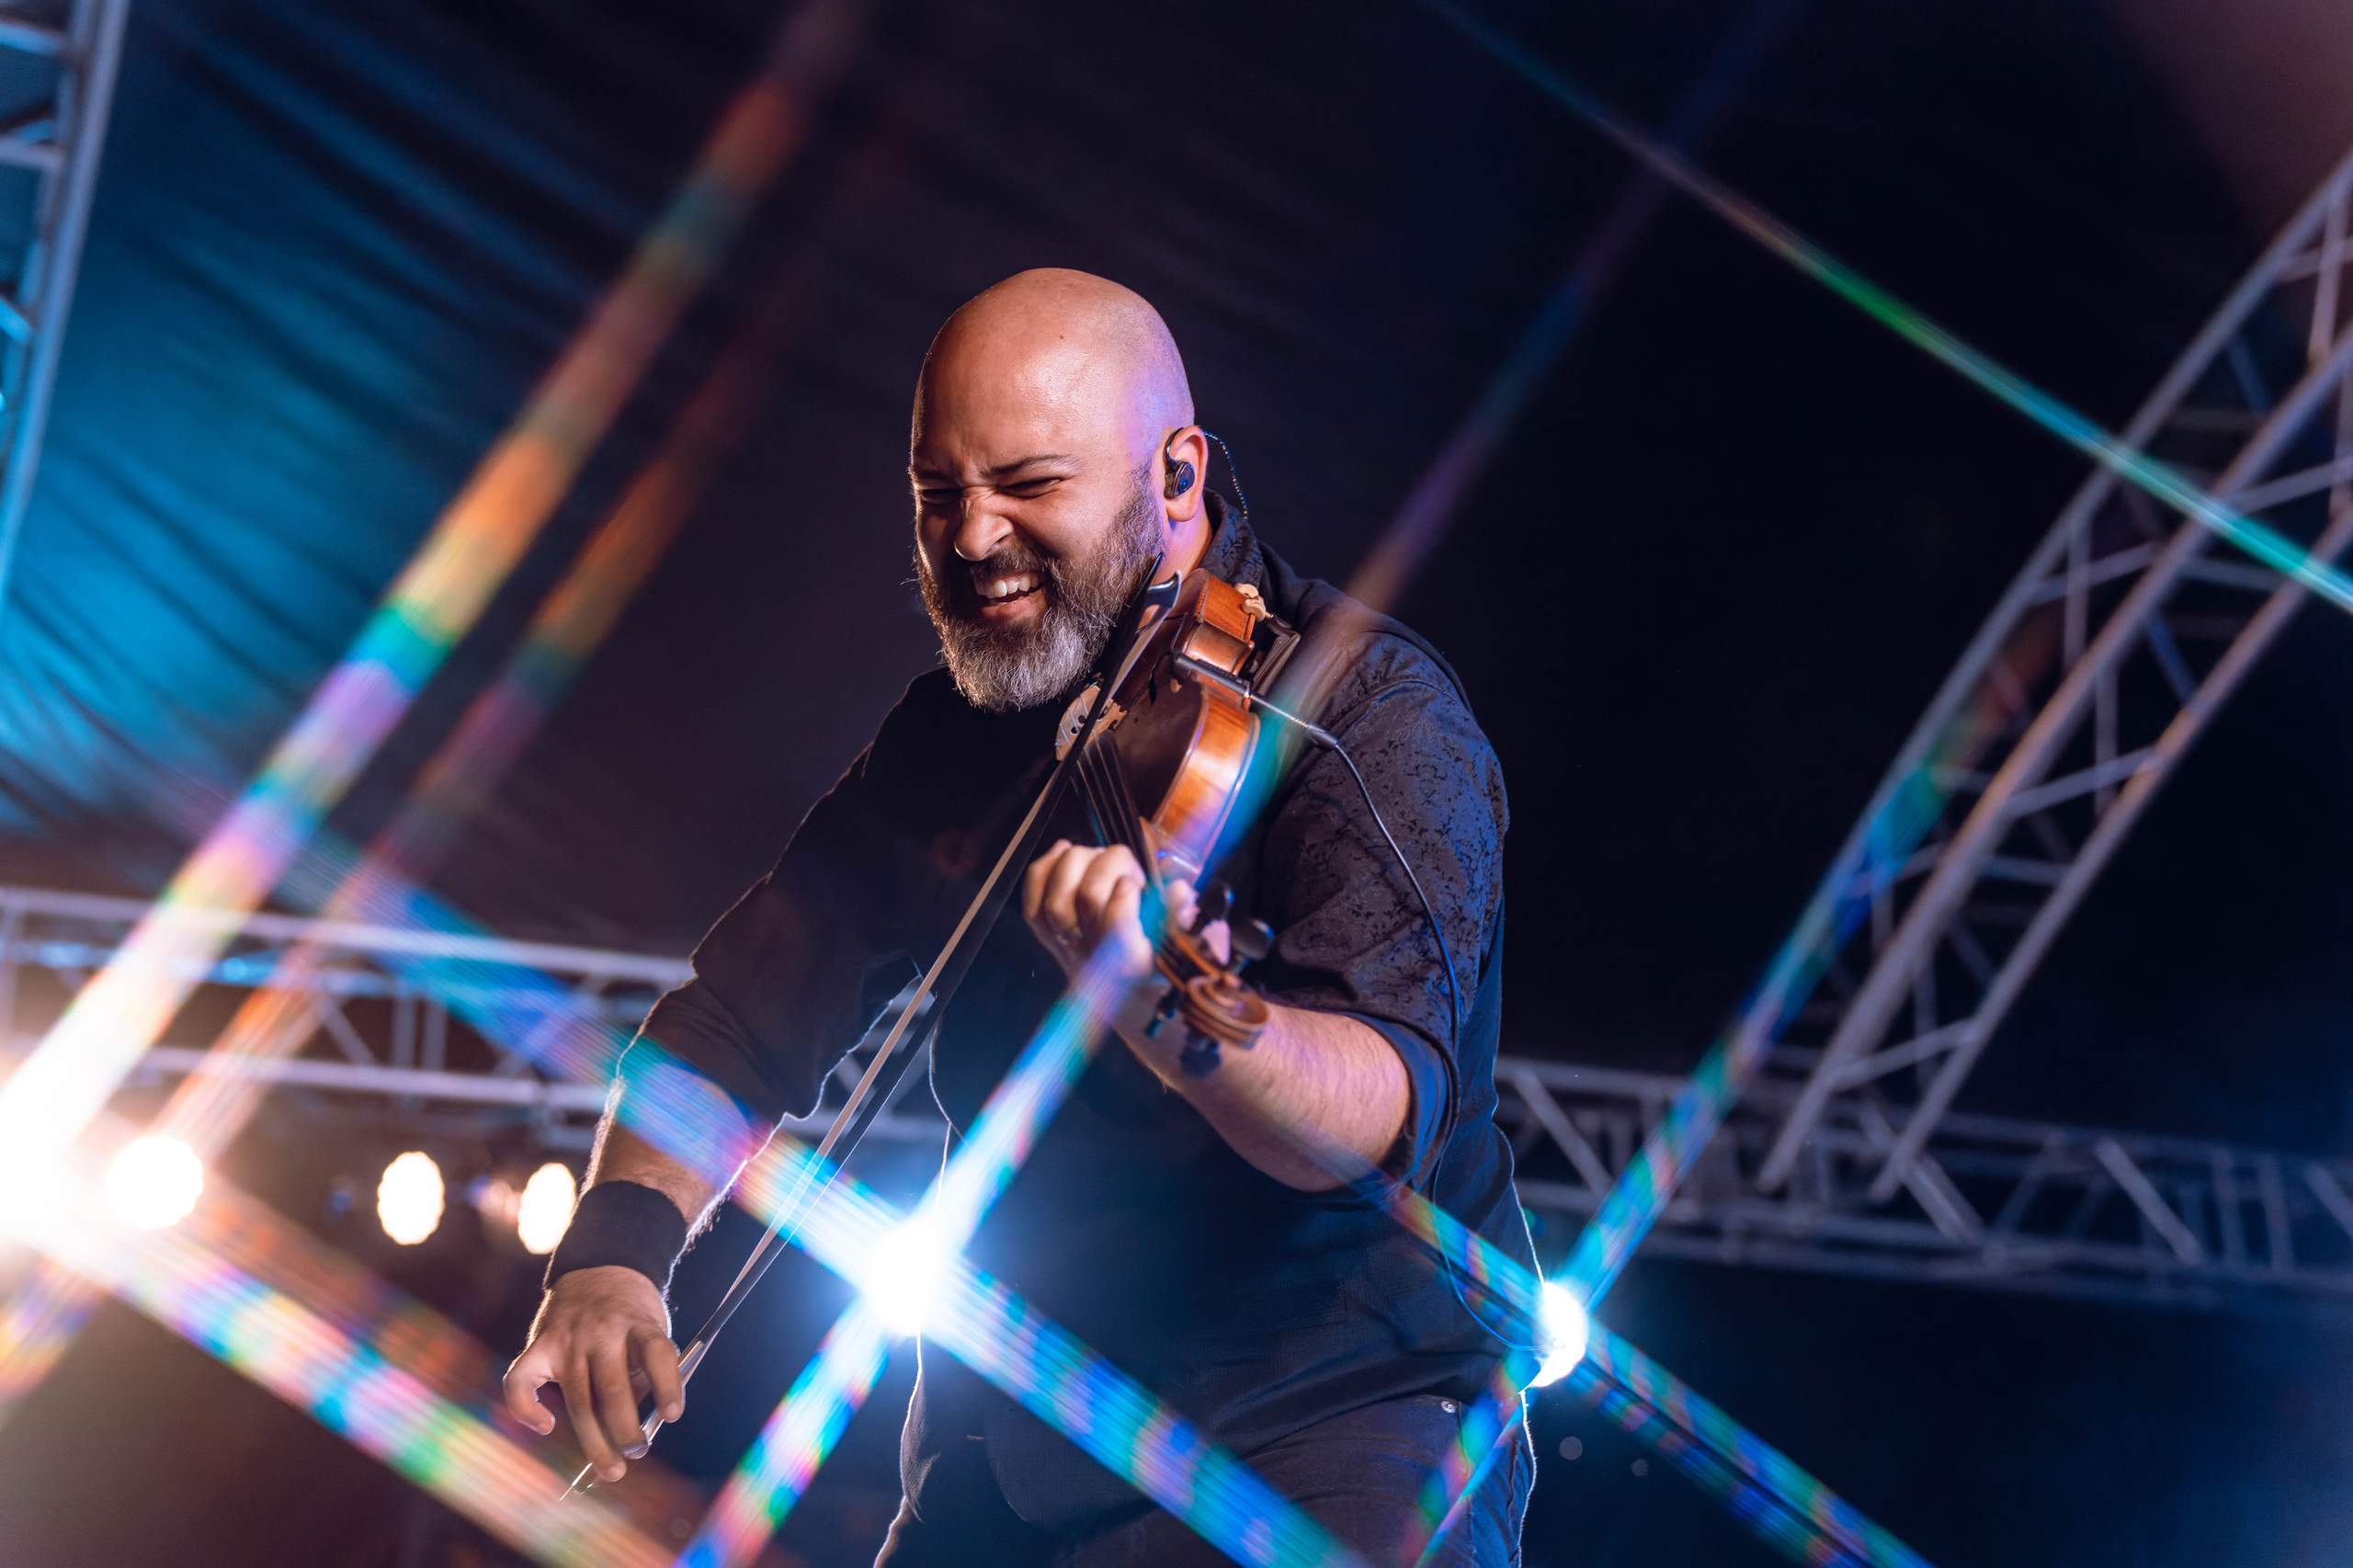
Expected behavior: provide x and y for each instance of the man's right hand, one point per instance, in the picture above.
(603, 1336)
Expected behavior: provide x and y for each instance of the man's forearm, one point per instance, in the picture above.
(625, 1154)
(1316, 1091)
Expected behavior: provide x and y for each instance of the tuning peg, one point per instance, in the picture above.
(1253, 940)
(1213, 901)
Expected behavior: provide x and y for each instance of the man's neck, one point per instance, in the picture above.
(1190, 544)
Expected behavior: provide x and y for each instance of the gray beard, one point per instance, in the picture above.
(1002, 669)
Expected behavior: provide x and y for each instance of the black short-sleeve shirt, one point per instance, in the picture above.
(1251, 1307)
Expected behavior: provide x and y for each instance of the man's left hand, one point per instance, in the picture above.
(1077, 898)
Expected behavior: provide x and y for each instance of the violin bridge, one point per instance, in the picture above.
(1075, 719)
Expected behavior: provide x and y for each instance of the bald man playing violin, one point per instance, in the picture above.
(1219, 1236)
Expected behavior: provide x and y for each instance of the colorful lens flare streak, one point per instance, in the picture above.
(1489, 1423)
(1906, 807)
(1120, 1424)
(783, 1459)
(796, 1441)
(571, 622)
(522, 1008)
(1158, 1452)
(1765, 1489)
(209, 1108)
(1423, 518)
(435, 600)
(1050, 1372)
(2160, 480)
(1028, 1357)
(386, 1410)
(1643, 1190)
(1485, 1271)
(1129, 1432)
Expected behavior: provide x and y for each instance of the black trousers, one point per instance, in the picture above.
(1360, 1475)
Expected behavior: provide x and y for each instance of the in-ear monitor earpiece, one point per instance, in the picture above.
(1180, 475)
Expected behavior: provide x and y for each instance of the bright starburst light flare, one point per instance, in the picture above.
(1025, 1355)
(530, 1012)
(905, 1275)
(1567, 1332)
(378, 1368)
(901, 1276)
(844, 1371)
(1110, 1418)
(1108, 1415)
(1902, 813)
(274, 1019)
(1252, 1531)
(68, 1075)
(533, 1013)
(1874, 857)
(153, 1181)
(544, 1209)
(410, 1197)
(1554, 1323)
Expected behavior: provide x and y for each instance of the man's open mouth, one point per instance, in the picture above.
(1005, 595)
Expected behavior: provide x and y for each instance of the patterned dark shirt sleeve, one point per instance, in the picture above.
(1352, 936)
(791, 976)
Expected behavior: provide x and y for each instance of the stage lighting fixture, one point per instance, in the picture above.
(410, 1197)
(545, 1208)
(1564, 1334)
(153, 1181)
(903, 1275)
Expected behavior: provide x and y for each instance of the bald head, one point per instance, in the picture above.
(1036, 452)
(1082, 352)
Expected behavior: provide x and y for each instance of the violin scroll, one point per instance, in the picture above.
(1162, 769)
(1206, 991)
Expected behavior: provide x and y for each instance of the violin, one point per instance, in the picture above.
(1160, 749)
(1160, 764)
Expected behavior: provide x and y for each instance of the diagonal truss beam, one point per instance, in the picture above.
(2103, 661)
(57, 141)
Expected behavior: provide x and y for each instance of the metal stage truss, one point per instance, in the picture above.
(1990, 1202)
(57, 76)
(2127, 631)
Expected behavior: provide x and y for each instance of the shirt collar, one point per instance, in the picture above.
(1232, 553)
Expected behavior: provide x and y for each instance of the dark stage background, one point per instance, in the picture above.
(1711, 576)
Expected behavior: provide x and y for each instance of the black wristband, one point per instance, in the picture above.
(622, 1224)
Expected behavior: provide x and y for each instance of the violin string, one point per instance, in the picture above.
(1099, 804)
(1120, 820)
(1131, 818)
(1098, 807)
(1113, 803)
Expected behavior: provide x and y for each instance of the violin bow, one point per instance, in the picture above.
(876, 1084)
